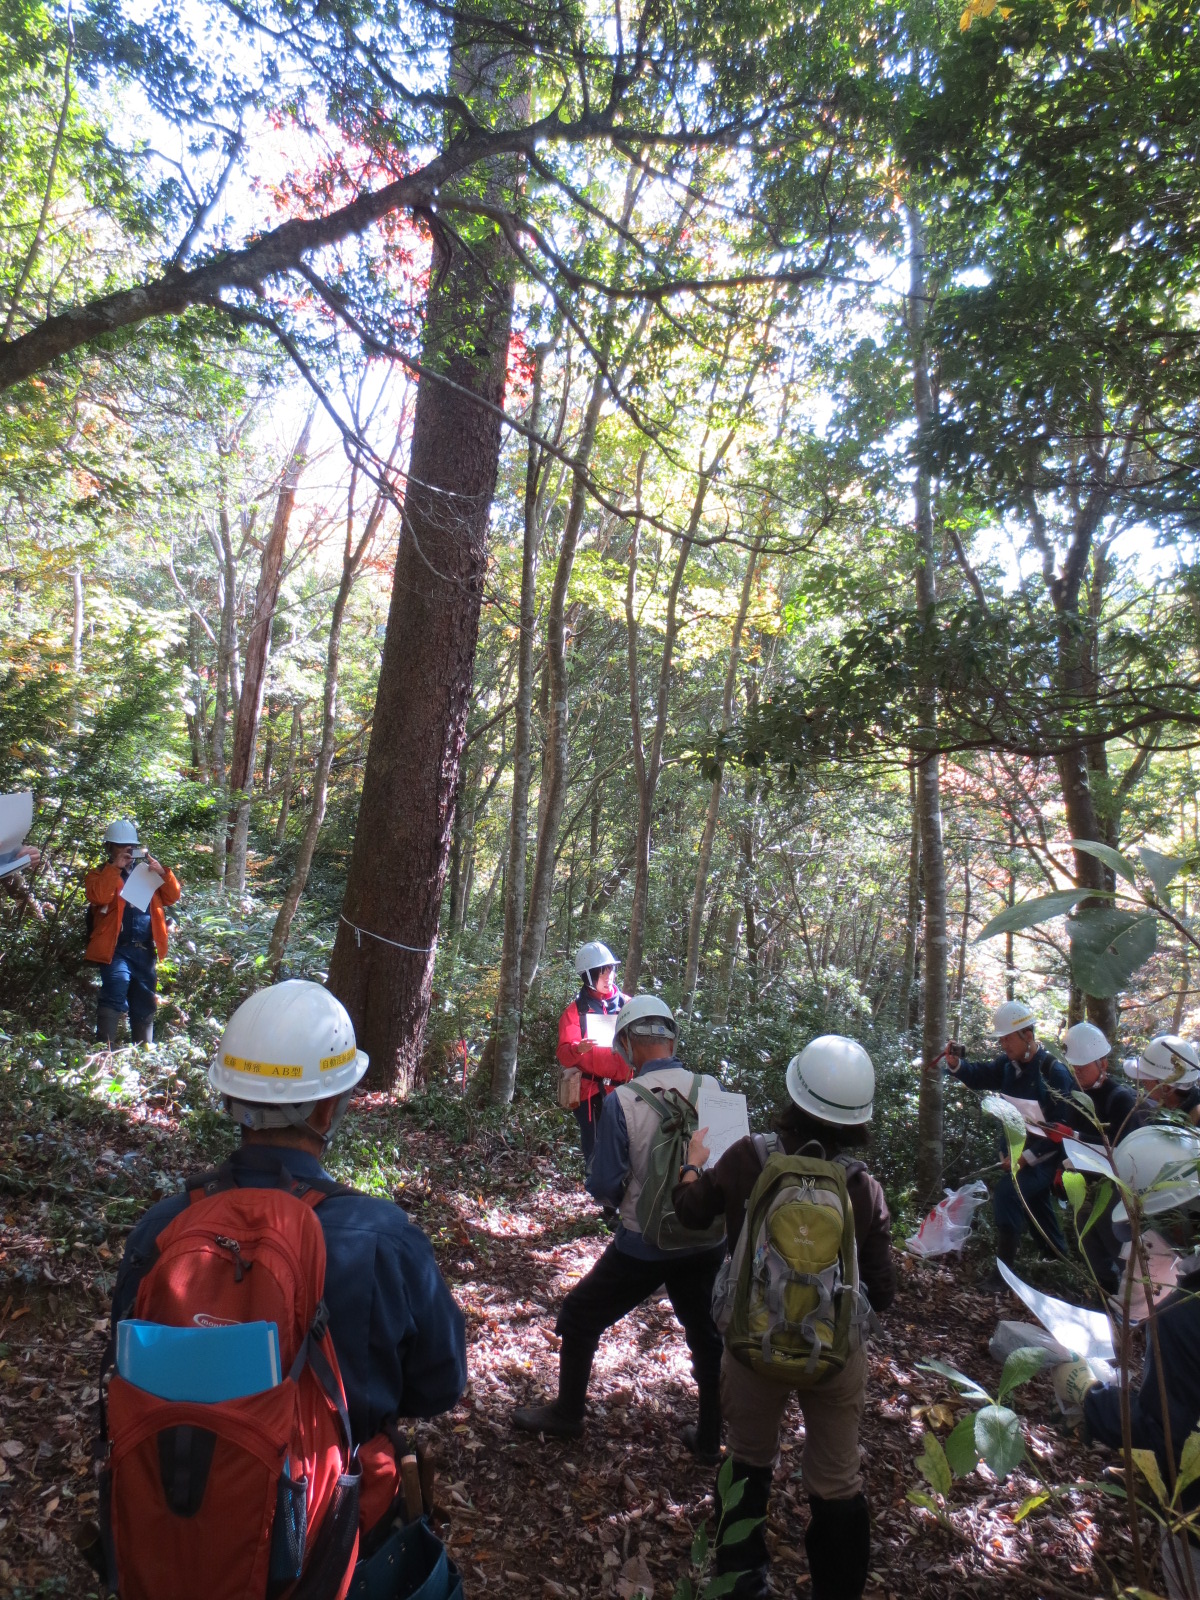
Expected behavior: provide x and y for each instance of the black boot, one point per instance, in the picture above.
(108, 1022)
(703, 1437)
(562, 1418)
(838, 1542)
(748, 1557)
(141, 1029)
(1007, 1240)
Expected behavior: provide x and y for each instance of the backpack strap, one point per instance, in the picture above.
(648, 1095)
(765, 1146)
(311, 1354)
(219, 1180)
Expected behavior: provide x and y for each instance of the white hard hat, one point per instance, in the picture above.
(590, 956)
(648, 1017)
(832, 1078)
(1167, 1059)
(1011, 1017)
(283, 1050)
(121, 832)
(1084, 1043)
(1145, 1153)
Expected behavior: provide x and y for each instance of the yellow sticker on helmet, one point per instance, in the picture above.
(262, 1069)
(329, 1062)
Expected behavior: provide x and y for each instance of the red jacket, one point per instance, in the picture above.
(103, 889)
(602, 1068)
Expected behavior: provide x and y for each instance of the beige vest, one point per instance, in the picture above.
(641, 1123)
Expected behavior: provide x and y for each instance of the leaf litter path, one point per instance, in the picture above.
(604, 1516)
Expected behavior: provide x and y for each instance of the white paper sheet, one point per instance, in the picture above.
(724, 1115)
(599, 1028)
(1029, 1109)
(16, 819)
(140, 886)
(1085, 1333)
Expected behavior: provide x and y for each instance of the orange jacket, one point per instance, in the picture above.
(601, 1067)
(103, 889)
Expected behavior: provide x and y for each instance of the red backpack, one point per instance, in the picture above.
(247, 1498)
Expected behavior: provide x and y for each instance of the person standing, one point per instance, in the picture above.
(1115, 1113)
(124, 942)
(632, 1268)
(1167, 1073)
(1025, 1070)
(599, 1066)
(831, 1089)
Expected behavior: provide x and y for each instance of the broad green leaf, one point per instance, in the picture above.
(1099, 1207)
(1104, 969)
(960, 1446)
(933, 1466)
(1010, 1119)
(732, 1497)
(970, 1389)
(684, 1590)
(1120, 864)
(918, 1497)
(1022, 1364)
(725, 1478)
(1147, 1464)
(1160, 869)
(999, 1440)
(1030, 912)
(1075, 1189)
(1189, 1464)
(720, 1583)
(700, 1545)
(738, 1532)
(1034, 1501)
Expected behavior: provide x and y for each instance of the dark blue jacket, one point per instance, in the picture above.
(1179, 1340)
(398, 1334)
(1117, 1111)
(1042, 1078)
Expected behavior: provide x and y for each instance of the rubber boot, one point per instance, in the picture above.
(703, 1437)
(838, 1542)
(141, 1029)
(748, 1557)
(108, 1023)
(563, 1417)
(1007, 1240)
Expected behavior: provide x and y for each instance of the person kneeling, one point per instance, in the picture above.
(769, 1192)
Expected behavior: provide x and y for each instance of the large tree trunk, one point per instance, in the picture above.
(352, 558)
(691, 970)
(508, 1001)
(382, 965)
(254, 668)
(929, 805)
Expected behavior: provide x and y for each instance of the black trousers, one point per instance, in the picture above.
(619, 1282)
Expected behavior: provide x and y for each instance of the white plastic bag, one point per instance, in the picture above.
(948, 1226)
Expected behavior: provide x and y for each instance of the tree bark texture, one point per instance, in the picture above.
(508, 1000)
(398, 867)
(289, 776)
(254, 668)
(905, 1011)
(929, 807)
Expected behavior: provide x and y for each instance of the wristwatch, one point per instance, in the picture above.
(689, 1166)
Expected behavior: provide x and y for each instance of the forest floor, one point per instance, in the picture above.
(88, 1142)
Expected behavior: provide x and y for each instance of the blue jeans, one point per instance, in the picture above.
(128, 982)
(1036, 1185)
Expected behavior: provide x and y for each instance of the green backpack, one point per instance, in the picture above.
(788, 1300)
(677, 1122)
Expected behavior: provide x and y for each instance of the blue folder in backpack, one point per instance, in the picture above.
(205, 1364)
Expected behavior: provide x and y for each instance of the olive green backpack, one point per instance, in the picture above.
(677, 1122)
(788, 1300)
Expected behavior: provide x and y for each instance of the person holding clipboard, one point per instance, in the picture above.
(127, 933)
(591, 1068)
